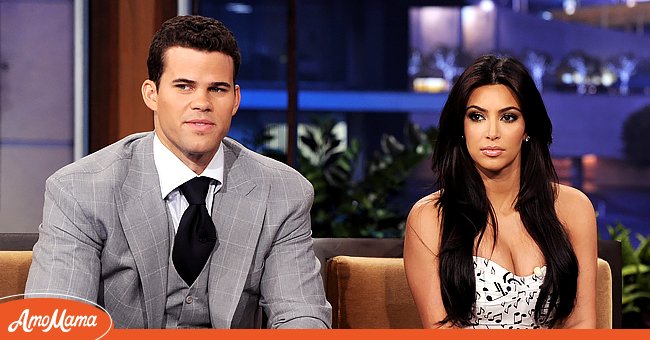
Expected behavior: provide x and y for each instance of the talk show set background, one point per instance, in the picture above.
(351, 95)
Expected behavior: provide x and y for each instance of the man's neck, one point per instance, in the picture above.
(198, 162)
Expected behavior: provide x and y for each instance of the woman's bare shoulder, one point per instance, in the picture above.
(424, 219)
(425, 208)
(570, 198)
(573, 206)
(428, 200)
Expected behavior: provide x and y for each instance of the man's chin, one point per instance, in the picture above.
(202, 152)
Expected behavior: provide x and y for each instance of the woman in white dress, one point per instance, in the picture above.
(501, 244)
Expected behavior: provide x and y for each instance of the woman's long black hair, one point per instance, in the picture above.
(465, 209)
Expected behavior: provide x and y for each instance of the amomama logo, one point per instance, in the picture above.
(36, 317)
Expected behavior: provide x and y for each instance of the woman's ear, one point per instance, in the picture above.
(150, 94)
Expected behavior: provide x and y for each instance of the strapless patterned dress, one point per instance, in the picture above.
(505, 300)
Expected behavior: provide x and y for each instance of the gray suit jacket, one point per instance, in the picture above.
(105, 238)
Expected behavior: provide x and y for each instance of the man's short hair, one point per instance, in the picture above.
(191, 31)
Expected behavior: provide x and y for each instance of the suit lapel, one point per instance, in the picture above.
(238, 213)
(144, 219)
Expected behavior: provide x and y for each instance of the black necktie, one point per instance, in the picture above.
(196, 234)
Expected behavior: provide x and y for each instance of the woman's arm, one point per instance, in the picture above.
(421, 245)
(577, 214)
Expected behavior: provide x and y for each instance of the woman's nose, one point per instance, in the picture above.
(493, 131)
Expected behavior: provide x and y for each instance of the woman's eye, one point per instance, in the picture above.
(508, 117)
(475, 116)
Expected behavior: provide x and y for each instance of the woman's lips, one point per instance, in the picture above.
(492, 151)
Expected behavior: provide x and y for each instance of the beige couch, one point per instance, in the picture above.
(14, 266)
(372, 292)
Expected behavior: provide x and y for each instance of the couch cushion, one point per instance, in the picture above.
(603, 295)
(14, 266)
(368, 292)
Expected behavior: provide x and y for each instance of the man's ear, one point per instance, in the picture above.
(150, 94)
(237, 101)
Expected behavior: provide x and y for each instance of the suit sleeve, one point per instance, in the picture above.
(66, 256)
(292, 292)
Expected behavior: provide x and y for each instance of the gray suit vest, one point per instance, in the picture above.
(186, 307)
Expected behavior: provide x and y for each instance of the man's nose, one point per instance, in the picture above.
(201, 101)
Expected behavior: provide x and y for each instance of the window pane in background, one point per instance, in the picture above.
(36, 105)
(364, 47)
(350, 45)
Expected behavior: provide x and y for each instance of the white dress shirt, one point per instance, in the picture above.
(172, 172)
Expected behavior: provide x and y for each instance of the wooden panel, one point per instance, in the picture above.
(102, 73)
(120, 32)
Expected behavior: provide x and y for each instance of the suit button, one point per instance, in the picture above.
(189, 299)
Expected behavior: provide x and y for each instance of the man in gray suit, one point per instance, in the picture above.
(110, 230)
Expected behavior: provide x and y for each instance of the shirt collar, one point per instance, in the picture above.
(172, 172)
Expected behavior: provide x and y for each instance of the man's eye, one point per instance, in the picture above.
(182, 86)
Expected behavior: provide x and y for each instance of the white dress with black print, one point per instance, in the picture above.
(505, 300)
